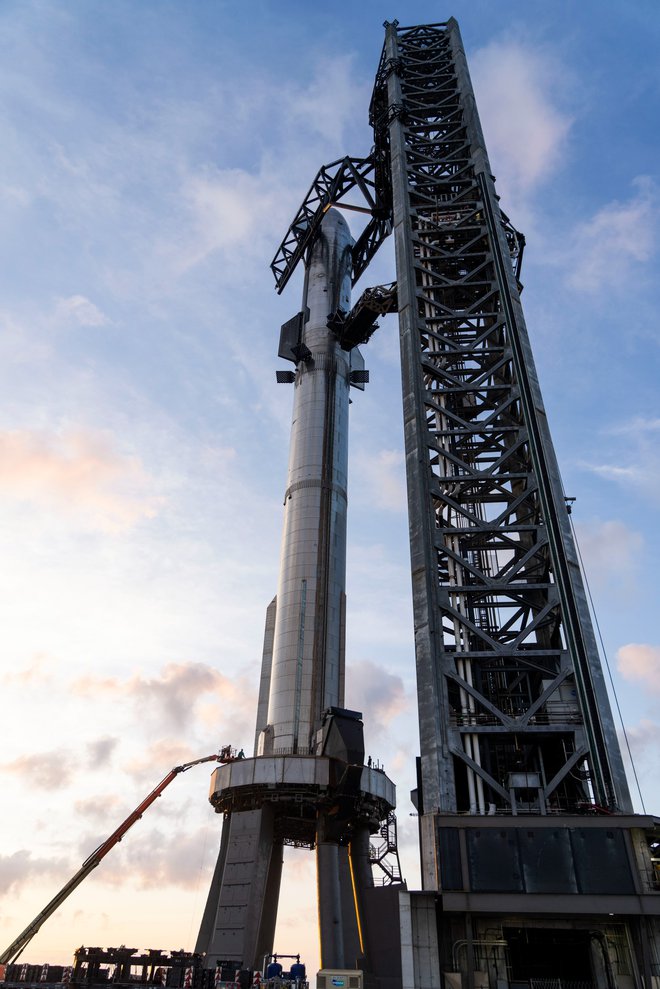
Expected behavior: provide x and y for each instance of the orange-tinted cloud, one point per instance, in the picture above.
(161, 756)
(183, 696)
(102, 810)
(35, 672)
(645, 738)
(638, 661)
(78, 473)
(51, 770)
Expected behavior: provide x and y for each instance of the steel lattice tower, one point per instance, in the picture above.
(516, 731)
(503, 633)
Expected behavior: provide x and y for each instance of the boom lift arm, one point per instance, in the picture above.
(16, 947)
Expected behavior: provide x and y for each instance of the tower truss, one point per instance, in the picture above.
(529, 846)
(514, 714)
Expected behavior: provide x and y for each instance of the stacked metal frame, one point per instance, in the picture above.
(513, 708)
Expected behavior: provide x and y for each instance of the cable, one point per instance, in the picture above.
(607, 662)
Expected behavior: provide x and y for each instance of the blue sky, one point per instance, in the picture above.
(152, 155)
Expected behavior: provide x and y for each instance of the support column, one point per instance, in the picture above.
(246, 890)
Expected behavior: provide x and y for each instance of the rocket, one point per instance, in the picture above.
(306, 783)
(305, 674)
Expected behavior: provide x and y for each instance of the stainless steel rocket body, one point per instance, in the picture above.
(307, 672)
(307, 781)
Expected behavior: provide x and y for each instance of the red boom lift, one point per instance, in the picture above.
(16, 947)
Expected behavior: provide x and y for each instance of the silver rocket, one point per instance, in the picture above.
(306, 783)
(307, 666)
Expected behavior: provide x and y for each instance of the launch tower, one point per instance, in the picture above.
(526, 824)
(536, 872)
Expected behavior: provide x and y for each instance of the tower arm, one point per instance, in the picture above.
(330, 184)
(11, 953)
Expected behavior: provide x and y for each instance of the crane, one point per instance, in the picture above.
(16, 947)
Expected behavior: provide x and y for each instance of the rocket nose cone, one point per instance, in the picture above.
(334, 226)
(335, 221)
(331, 264)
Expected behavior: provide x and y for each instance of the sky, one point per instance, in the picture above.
(152, 155)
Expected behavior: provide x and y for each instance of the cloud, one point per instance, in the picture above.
(173, 695)
(35, 672)
(608, 249)
(327, 105)
(79, 309)
(635, 462)
(102, 810)
(381, 477)
(245, 210)
(50, 770)
(615, 472)
(610, 551)
(17, 869)
(163, 753)
(377, 692)
(99, 752)
(79, 473)
(525, 131)
(636, 427)
(230, 208)
(155, 859)
(645, 738)
(641, 662)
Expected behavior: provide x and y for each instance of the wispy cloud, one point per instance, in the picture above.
(20, 867)
(180, 694)
(80, 310)
(101, 810)
(230, 210)
(639, 426)
(380, 476)
(525, 130)
(100, 751)
(378, 692)
(635, 459)
(611, 552)
(645, 738)
(327, 105)
(50, 770)
(163, 753)
(158, 859)
(644, 741)
(640, 662)
(608, 250)
(38, 670)
(615, 472)
(78, 473)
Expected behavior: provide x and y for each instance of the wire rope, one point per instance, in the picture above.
(607, 662)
